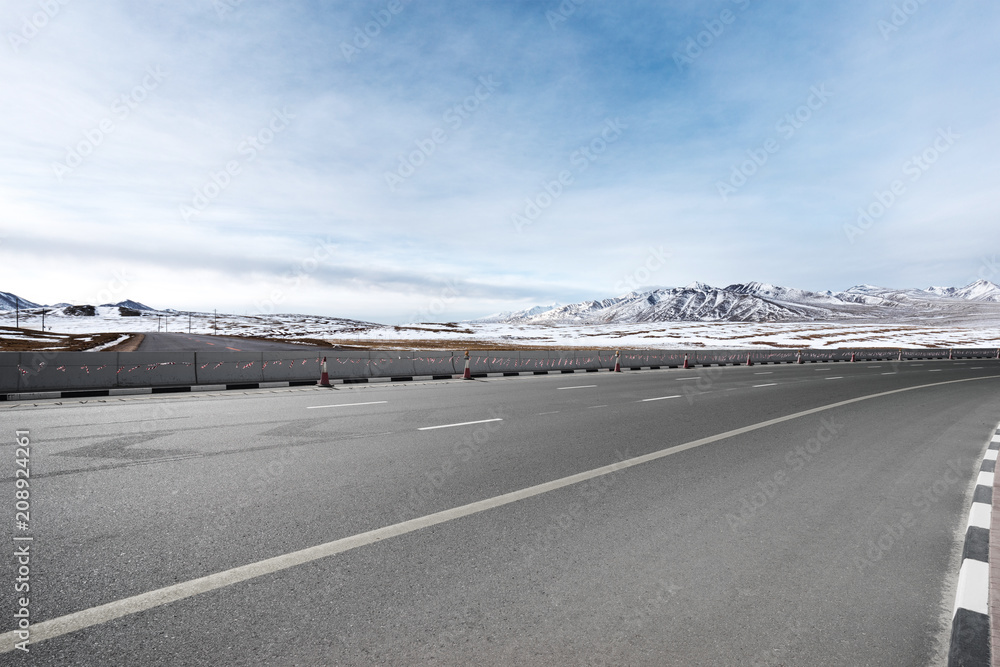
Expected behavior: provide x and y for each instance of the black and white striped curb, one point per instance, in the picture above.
(129, 391)
(970, 625)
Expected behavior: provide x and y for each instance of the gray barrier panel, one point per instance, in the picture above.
(291, 366)
(229, 367)
(349, 364)
(156, 369)
(434, 362)
(45, 371)
(8, 371)
(588, 359)
(391, 364)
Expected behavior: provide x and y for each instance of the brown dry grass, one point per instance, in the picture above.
(32, 340)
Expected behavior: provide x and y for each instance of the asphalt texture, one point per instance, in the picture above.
(182, 342)
(828, 539)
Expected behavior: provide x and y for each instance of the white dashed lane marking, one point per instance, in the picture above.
(659, 398)
(481, 421)
(343, 405)
(581, 386)
(769, 384)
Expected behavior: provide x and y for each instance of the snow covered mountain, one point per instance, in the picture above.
(129, 303)
(507, 316)
(10, 301)
(762, 302)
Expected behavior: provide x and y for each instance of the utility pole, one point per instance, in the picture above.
(216, 321)
(17, 312)
(189, 321)
(157, 324)
(43, 319)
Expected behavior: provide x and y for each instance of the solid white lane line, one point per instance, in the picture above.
(343, 405)
(659, 398)
(975, 368)
(835, 377)
(110, 611)
(596, 406)
(893, 373)
(770, 384)
(764, 373)
(549, 413)
(481, 421)
(582, 386)
(934, 370)
(682, 379)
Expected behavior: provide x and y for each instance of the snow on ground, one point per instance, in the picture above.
(674, 335)
(952, 332)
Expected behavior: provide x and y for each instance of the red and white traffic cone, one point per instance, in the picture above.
(686, 359)
(324, 377)
(468, 368)
(853, 358)
(900, 357)
(949, 355)
(749, 360)
(799, 359)
(618, 362)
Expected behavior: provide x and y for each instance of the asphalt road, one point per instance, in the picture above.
(182, 342)
(827, 538)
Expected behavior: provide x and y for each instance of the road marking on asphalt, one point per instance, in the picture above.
(234, 349)
(873, 367)
(549, 413)
(343, 405)
(581, 386)
(481, 421)
(110, 611)
(934, 370)
(659, 398)
(681, 379)
(764, 373)
(975, 368)
(596, 406)
(893, 373)
(769, 384)
(835, 377)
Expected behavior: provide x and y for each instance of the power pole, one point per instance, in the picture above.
(189, 321)
(216, 321)
(17, 312)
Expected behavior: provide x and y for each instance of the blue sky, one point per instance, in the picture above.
(428, 160)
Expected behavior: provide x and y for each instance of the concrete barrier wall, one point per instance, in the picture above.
(66, 371)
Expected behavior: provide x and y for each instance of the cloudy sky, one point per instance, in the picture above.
(396, 160)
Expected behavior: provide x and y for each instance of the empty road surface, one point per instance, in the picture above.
(182, 342)
(771, 515)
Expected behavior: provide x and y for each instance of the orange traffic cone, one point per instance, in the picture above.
(852, 357)
(324, 377)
